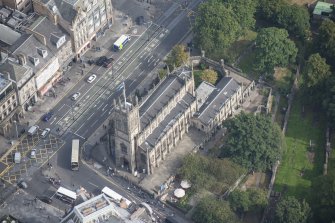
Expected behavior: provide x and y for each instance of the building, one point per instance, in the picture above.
(144, 133)
(323, 10)
(101, 209)
(23, 80)
(24, 6)
(216, 103)
(83, 20)
(8, 105)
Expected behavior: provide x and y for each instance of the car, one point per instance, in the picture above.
(33, 154)
(46, 117)
(22, 184)
(91, 78)
(45, 199)
(75, 96)
(45, 132)
(140, 20)
(101, 60)
(108, 63)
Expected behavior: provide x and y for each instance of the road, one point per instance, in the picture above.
(80, 118)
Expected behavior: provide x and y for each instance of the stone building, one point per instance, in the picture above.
(8, 105)
(24, 6)
(83, 20)
(144, 133)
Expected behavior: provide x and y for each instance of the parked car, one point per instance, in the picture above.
(33, 154)
(75, 96)
(101, 60)
(17, 157)
(33, 129)
(91, 78)
(22, 184)
(47, 116)
(45, 199)
(108, 63)
(45, 132)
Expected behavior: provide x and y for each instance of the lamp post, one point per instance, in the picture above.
(17, 135)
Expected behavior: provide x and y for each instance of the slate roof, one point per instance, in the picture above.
(16, 71)
(224, 90)
(65, 8)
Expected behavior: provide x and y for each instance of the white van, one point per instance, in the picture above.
(33, 129)
(17, 157)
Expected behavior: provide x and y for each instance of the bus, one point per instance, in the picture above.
(66, 195)
(115, 196)
(75, 155)
(120, 42)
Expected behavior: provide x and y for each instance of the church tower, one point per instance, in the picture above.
(126, 128)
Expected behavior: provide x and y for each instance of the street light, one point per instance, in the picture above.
(17, 135)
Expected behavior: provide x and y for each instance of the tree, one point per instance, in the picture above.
(316, 71)
(211, 76)
(268, 9)
(273, 48)
(177, 57)
(290, 210)
(324, 198)
(244, 11)
(215, 28)
(326, 40)
(295, 19)
(211, 210)
(329, 101)
(249, 200)
(253, 141)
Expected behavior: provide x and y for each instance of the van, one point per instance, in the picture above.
(33, 129)
(17, 157)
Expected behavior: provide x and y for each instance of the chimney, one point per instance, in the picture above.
(38, 36)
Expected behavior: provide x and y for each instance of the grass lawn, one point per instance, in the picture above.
(301, 164)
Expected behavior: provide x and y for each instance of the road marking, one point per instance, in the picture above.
(94, 122)
(93, 184)
(100, 106)
(61, 107)
(79, 135)
(80, 127)
(103, 113)
(53, 120)
(90, 116)
(104, 107)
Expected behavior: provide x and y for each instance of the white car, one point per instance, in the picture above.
(75, 96)
(45, 132)
(91, 78)
(33, 154)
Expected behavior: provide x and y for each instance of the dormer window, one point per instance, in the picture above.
(34, 60)
(58, 41)
(42, 52)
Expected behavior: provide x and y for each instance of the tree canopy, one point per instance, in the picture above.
(253, 141)
(295, 19)
(268, 9)
(211, 76)
(290, 210)
(316, 71)
(326, 40)
(211, 210)
(249, 200)
(209, 173)
(177, 57)
(273, 48)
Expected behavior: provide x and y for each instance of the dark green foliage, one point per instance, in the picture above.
(211, 210)
(295, 19)
(326, 41)
(249, 200)
(290, 210)
(209, 173)
(273, 48)
(268, 9)
(253, 141)
(177, 57)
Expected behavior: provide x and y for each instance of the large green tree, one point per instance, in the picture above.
(216, 27)
(316, 71)
(273, 48)
(210, 173)
(253, 141)
(177, 57)
(268, 9)
(326, 40)
(249, 200)
(211, 210)
(290, 210)
(295, 19)
(329, 101)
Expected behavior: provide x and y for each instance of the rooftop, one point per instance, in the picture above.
(4, 83)
(217, 99)
(8, 35)
(323, 8)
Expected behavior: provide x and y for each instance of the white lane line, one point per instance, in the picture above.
(93, 184)
(90, 116)
(80, 127)
(103, 113)
(61, 107)
(94, 122)
(104, 107)
(53, 120)
(100, 105)
(79, 136)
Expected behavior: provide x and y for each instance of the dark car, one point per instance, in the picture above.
(108, 63)
(47, 116)
(140, 20)
(101, 60)
(45, 199)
